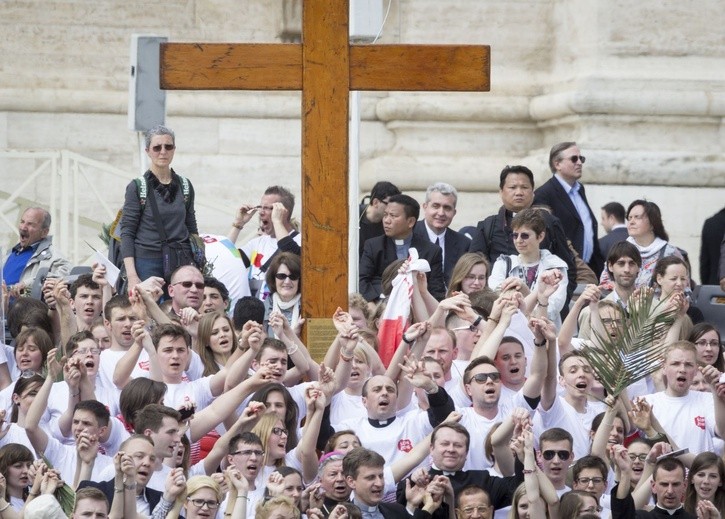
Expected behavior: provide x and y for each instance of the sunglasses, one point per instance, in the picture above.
(167, 147)
(481, 378)
(282, 277)
(578, 158)
(523, 235)
(549, 455)
(189, 284)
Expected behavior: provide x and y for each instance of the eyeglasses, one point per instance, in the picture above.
(189, 284)
(201, 503)
(279, 431)
(523, 235)
(282, 277)
(248, 452)
(167, 147)
(640, 457)
(86, 351)
(704, 342)
(577, 158)
(609, 322)
(469, 327)
(481, 378)
(549, 455)
(594, 481)
(472, 277)
(469, 510)
(631, 217)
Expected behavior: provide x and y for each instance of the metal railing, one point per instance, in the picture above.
(81, 194)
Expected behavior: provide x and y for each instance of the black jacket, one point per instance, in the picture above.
(379, 252)
(553, 195)
(455, 245)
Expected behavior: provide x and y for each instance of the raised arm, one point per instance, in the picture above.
(570, 325)
(86, 453)
(548, 390)
(316, 401)
(246, 421)
(251, 340)
(72, 376)
(544, 334)
(488, 346)
(37, 436)
(66, 316)
(712, 377)
(241, 218)
(127, 363)
(224, 407)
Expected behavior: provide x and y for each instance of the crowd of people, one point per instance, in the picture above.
(167, 395)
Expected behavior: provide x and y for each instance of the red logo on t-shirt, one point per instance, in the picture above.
(700, 422)
(405, 445)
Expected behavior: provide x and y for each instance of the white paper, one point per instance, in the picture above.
(112, 271)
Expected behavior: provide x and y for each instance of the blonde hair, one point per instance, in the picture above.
(265, 508)
(263, 429)
(193, 485)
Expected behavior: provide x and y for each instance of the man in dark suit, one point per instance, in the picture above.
(448, 451)
(439, 209)
(565, 196)
(140, 449)
(401, 214)
(612, 218)
(363, 469)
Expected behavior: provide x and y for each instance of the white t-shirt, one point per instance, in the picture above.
(689, 420)
(63, 458)
(394, 440)
(479, 426)
(196, 391)
(345, 407)
(563, 415)
(16, 434)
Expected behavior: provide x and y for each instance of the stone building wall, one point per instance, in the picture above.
(640, 86)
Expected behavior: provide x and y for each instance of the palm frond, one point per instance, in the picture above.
(637, 350)
(65, 495)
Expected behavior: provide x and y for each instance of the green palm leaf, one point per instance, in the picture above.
(637, 351)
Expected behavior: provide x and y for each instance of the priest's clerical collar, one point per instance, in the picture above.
(381, 423)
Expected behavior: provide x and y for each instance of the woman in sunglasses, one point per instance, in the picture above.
(285, 285)
(526, 270)
(159, 196)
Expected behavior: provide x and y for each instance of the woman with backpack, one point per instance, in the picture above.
(158, 215)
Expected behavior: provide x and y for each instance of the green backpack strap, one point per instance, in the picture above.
(142, 189)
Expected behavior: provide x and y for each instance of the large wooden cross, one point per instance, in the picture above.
(326, 67)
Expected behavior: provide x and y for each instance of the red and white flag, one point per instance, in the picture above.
(396, 316)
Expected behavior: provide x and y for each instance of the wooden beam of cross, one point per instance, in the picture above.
(326, 67)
